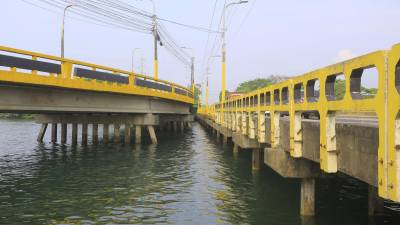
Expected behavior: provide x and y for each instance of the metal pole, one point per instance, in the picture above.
(224, 56)
(62, 29)
(192, 74)
(155, 34)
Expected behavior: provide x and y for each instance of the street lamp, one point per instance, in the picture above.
(133, 58)
(191, 67)
(224, 54)
(62, 29)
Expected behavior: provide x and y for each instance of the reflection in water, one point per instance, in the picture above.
(186, 179)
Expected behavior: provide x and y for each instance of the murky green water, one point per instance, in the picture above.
(186, 179)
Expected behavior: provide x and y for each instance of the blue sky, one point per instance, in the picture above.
(286, 37)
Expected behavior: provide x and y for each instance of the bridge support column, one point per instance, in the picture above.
(375, 204)
(189, 125)
(256, 159)
(63, 133)
(84, 133)
(235, 149)
(224, 140)
(117, 137)
(127, 134)
(182, 124)
(138, 134)
(106, 133)
(307, 197)
(95, 133)
(54, 132)
(74, 134)
(175, 126)
(152, 134)
(42, 132)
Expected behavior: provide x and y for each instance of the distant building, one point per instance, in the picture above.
(232, 95)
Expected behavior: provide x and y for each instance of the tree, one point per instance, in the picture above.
(251, 85)
(197, 94)
(340, 89)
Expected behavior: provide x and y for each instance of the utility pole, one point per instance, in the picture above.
(224, 54)
(155, 34)
(62, 29)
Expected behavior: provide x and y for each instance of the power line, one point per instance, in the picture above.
(244, 20)
(189, 26)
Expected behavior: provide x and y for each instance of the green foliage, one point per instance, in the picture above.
(197, 94)
(252, 85)
(340, 88)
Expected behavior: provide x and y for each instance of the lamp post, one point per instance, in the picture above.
(133, 58)
(62, 29)
(191, 67)
(224, 54)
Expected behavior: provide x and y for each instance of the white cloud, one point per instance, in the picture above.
(344, 55)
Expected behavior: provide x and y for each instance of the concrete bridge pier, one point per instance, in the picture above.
(106, 133)
(84, 134)
(64, 133)
(138, 134)
(127, 134)
(95, 133)
(256, 158)
(54, 132)
(42, 132)
(74, 134)
(375, 203)
(117, 134)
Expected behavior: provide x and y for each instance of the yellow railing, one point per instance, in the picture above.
(67, 79)
(298, 95)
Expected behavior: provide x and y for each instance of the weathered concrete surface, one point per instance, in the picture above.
(357, 146)
(244, 142)
(136, 119)
(31, 99)
(286, 166)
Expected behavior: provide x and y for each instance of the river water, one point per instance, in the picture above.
(186, 179)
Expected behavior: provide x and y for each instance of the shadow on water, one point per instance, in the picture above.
(186, 179)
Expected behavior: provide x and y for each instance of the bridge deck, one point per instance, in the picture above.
(35, 82)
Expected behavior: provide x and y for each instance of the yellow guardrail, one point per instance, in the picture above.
(67, 79)
(298, 95)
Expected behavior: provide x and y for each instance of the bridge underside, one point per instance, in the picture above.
(41, 99)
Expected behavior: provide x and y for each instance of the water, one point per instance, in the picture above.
(186, 179)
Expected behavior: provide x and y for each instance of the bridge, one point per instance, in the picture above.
(307, 133)
(62, 91)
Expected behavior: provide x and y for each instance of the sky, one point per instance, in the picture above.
(264, 37)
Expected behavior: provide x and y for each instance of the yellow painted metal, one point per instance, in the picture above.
(223, 91)
(156, 69)
(385, 105)
(67, 79)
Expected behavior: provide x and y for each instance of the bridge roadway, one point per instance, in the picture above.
(62, 91)
(358, 135)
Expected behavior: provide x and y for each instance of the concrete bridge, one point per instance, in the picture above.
(63, 91)
(306, 132)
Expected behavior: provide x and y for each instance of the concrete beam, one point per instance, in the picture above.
(244, 142)
(132, 119)
(38, 99)
(282, 163)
